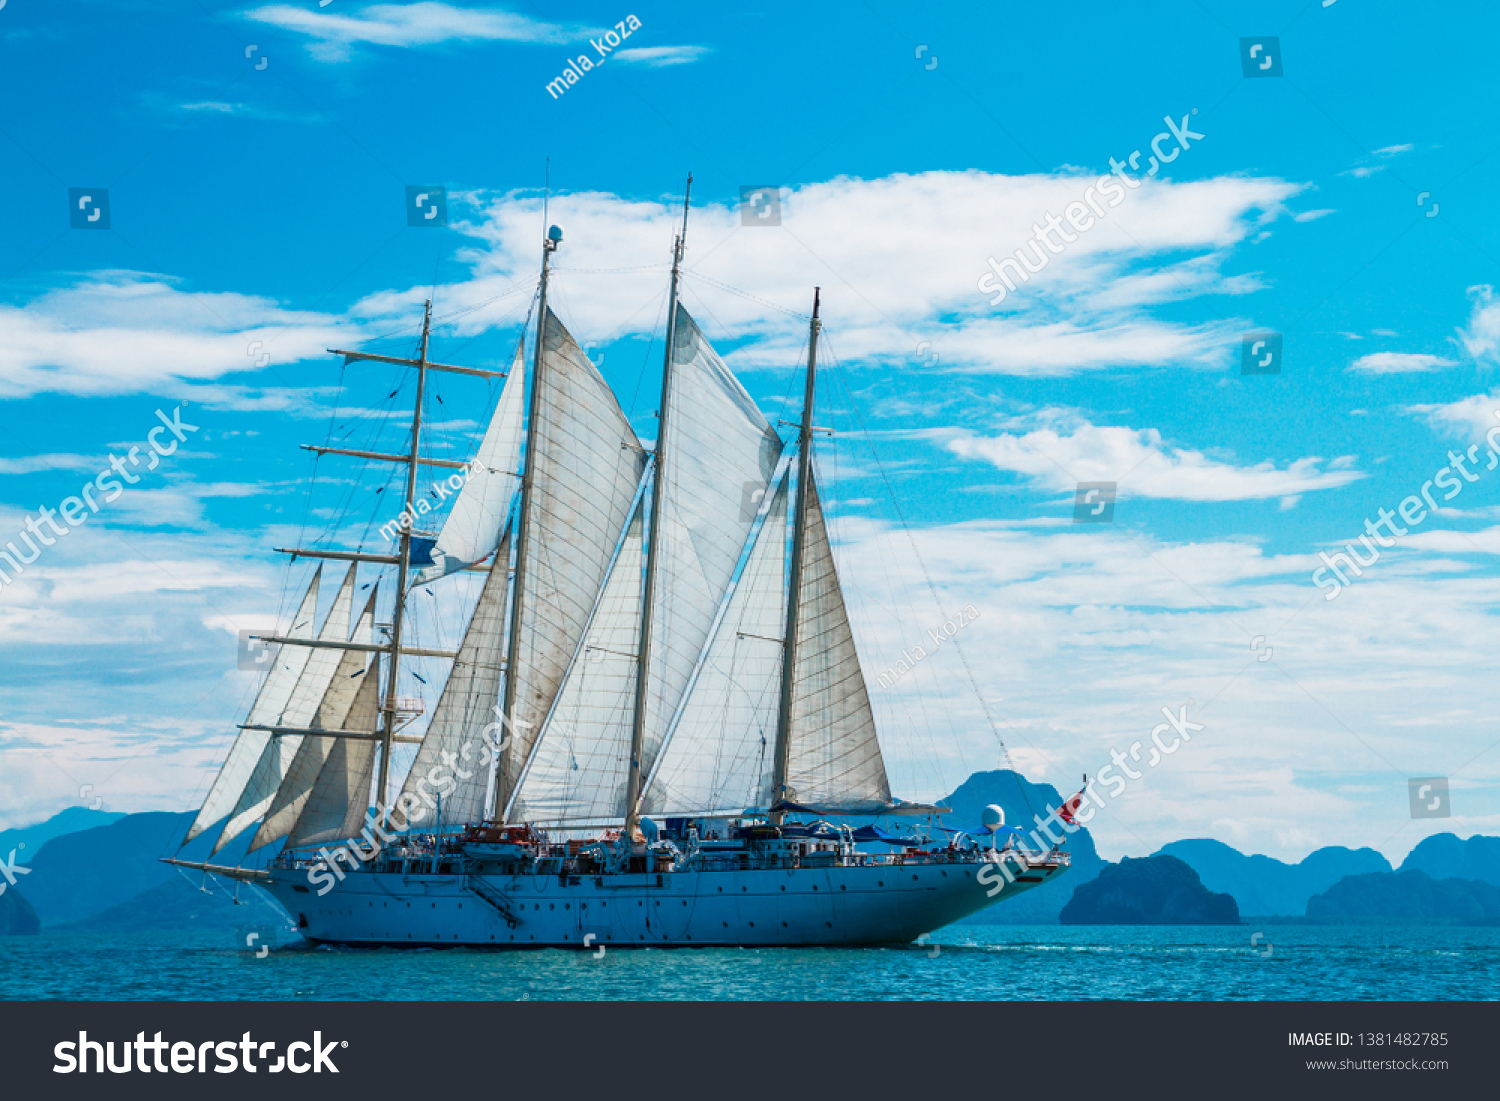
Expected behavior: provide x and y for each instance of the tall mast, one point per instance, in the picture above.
(799, 535)
(643, 659)
(403, 564)
(523, 523)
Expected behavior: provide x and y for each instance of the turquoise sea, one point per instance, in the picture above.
(964, 962)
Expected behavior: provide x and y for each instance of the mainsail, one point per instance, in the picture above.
(313, 753)
(578, 768)
(276, 756)
(472, 529)
(718, 756)
(719, 456)
(452, 757)
(274, 692)
(585, 464)
(833, 758)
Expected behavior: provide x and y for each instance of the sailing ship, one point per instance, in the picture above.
(656, 728)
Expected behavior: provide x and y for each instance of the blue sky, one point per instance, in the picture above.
(266, 205)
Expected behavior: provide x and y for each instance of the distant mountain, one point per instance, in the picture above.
(81, 874)
(1022, 800)
(17, 918)
(1264, 886)
(1444, 856)
(1407, 897)
(1153, 890)
(28, 840)
(179, 905)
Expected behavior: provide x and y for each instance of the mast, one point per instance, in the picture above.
(793, 605)
(643, 658)
(523, 523)
(403, 565)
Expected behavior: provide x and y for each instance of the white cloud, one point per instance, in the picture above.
(124, 332)
(404, 25)
(1394, 150)
(1086, 631)
(1470, 418)
(1145, 466)
(1312, 215)
(656, 57)
(31, 464)
(1481, 338)
(1391, 363)
(120, 332)
(884, 292)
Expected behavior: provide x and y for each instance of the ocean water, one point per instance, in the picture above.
(963, 962)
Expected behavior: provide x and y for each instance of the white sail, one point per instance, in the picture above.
(834, 759)
(278, 752)
(452, 757)
(720, 754)
(585, 464)
(720, 453)
(275, 690)
(313, 753)
(339, 802)
(472, 529)
(578, 769)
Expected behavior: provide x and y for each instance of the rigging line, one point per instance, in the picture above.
(613, 271)
(916, 685)
(536, 291)
(740, 351)
(744, 294)
(650, 344)
(963, 658)
(930, 752)
(443, 319)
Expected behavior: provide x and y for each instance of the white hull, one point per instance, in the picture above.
(839, 905)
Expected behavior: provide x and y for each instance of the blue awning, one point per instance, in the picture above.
(875, 833)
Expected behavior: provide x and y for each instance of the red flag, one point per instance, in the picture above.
(1069, 808)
